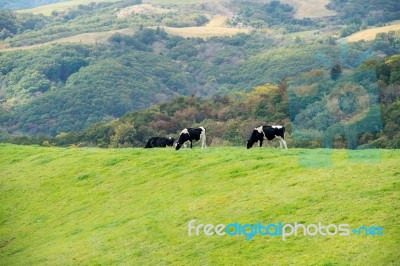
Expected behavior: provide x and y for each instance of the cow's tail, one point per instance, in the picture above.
(283, 132)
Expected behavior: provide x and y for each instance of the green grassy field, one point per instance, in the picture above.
(87, 206)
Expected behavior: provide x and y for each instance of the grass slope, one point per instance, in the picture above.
(181, 2)
(66, 5)
(204, 32)
(131, 206)
(20, 4)
(61, 6)
(311, 8)
(216, 27)
(86, 38)
(370, 34)
(142, 9)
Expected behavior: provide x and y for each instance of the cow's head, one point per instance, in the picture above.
(179, 143)
(255, 136)
(178, 146)
(249, 145)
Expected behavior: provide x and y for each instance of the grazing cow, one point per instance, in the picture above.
(160, 142)
(191, 134)
(269, 133)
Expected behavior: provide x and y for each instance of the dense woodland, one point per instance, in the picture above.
(359, 14)
(229, 119)
(275, 14)
(149, 83)
(366, 11)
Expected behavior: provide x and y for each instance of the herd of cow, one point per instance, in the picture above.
(188, 135)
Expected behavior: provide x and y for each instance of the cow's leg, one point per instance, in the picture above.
(203, 140)
(282, 141)
(191, 144)
(261, 143)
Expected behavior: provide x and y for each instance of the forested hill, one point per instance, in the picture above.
(229, 119)
(144, 56)
(69, 87)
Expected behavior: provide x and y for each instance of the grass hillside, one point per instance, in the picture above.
(84, 38)
(132, 206)
(20, 4)
(61, 6)
(66, 5)
(311, 8)
(370, 34)
(204, 32)
(215, 27)
(180, 2)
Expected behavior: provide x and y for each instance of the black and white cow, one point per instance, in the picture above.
(160, 142)
(269, 133)
(192, 134)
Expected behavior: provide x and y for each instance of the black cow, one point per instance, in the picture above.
(269, 133)
(160, 142)
(191, 134)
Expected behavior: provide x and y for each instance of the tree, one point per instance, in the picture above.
(336, 71)
(124, 135)
(8, 21)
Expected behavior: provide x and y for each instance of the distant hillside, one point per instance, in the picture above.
(229, 119)
(24, 4)
(134, 58)
(83, 85)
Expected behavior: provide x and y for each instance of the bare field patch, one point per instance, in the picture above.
(217, 21)
(86, 38)
(62, 6)
(94, 37)
(204, 32)
(311, 8)
(370, 34)
(180, 2)
(142, 9)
